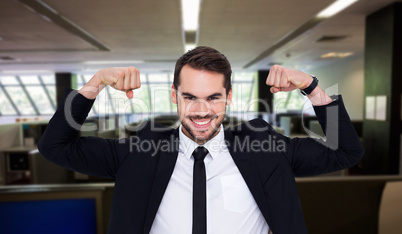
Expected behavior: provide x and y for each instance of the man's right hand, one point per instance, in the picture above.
(121, 78)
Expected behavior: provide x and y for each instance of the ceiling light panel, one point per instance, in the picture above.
(335, 8)
(190, 11)
(336, 55)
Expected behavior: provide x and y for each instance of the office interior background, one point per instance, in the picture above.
(352, 46)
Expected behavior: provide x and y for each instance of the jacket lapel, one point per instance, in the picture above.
(248, 170)
(166, 164)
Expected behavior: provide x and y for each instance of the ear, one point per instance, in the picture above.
(229, 98)
(174, 95)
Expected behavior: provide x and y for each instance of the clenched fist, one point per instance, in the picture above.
(287, 79)
(121, 78)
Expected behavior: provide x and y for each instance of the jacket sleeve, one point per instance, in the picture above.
(341, 149)
(61, 145)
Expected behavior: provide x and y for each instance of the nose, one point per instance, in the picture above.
(200, 107)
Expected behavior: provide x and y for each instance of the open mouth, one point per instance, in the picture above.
(201, 123)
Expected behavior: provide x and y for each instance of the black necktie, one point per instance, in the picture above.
(199, 192)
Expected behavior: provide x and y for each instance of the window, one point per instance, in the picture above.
(284, 101)
(6, 108)
(153, 98)
(27, 95)
(159, 87)
(244, 95)
(21, 100)
(36, 96)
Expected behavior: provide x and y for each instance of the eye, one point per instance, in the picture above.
(213, 98)
(189, 98)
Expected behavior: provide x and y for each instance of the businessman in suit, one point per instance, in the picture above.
(200, 178)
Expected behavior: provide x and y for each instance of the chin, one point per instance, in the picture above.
(201, 128)
(201, 136)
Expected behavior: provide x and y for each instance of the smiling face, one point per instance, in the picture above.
(201, 103)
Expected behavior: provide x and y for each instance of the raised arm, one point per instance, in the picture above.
(121, 78)
(308, 156)
(286, 79)
(90, 155)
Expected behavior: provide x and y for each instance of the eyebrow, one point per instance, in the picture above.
(212, 95)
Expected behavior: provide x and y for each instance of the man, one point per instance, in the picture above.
(233, 183)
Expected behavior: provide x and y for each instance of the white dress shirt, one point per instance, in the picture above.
(231, 207)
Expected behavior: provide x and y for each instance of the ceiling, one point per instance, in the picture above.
(150, 31)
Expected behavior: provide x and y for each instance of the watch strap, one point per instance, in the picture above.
(311, 87)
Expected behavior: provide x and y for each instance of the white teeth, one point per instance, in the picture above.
(201, 123)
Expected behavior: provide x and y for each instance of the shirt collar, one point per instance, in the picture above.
(214, 146)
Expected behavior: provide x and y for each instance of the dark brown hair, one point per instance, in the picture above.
(204, 58)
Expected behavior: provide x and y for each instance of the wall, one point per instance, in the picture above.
(348, 74)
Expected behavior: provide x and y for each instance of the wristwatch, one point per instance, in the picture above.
(311, 87)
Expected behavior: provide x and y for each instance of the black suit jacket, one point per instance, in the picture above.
(268, 162)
